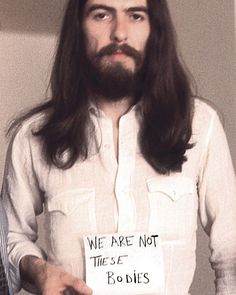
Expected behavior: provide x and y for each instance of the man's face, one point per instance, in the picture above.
(116, 32)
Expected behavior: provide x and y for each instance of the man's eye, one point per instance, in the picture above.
(137, 17)
(101, 16)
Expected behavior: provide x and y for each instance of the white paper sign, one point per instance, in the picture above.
(124, 264)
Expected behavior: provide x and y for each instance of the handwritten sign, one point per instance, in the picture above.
(123, 264)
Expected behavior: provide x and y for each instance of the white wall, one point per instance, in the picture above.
(206, 35)
(206, 31)
(24, 71)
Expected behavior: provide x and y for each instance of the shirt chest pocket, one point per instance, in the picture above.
(71, 214)
(173, 212)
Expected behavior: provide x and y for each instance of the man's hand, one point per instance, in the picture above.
(51, 279)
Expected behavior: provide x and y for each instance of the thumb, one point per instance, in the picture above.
(77, 285)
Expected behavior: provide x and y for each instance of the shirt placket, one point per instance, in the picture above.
(123, 185)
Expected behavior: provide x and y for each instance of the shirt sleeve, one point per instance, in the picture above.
(22, 200)
(217, 195)
(5, 281)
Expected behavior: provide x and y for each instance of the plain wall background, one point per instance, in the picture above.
(206, 33)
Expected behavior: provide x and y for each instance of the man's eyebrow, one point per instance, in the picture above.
(99, 6)
(93, 7)
(137, 8)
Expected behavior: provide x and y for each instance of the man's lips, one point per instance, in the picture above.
(121, 53)
(118, 55)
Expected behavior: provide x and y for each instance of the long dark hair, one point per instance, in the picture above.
(165, 98)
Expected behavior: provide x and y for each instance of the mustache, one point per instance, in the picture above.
(124, 48)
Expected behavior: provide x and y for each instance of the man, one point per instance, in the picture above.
(121, 147)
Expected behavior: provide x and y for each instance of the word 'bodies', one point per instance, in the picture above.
(125, 264)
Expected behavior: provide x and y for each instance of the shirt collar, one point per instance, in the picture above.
(94, 110)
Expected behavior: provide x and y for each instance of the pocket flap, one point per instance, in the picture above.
(172, 186)
(68, 201)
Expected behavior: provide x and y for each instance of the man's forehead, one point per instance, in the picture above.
(118, 4)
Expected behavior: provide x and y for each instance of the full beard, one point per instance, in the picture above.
(113, 80)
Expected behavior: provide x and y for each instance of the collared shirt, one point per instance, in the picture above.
(103, 195)
(5, 282)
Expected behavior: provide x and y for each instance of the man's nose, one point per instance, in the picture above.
(119, 31)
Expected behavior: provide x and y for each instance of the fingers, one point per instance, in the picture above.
(54, 280)
(77, 284)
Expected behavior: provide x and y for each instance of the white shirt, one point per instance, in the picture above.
(5, 280)
(101, 196)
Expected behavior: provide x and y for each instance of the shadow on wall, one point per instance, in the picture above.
(40, 17)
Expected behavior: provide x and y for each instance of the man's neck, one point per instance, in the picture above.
(115, 110)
